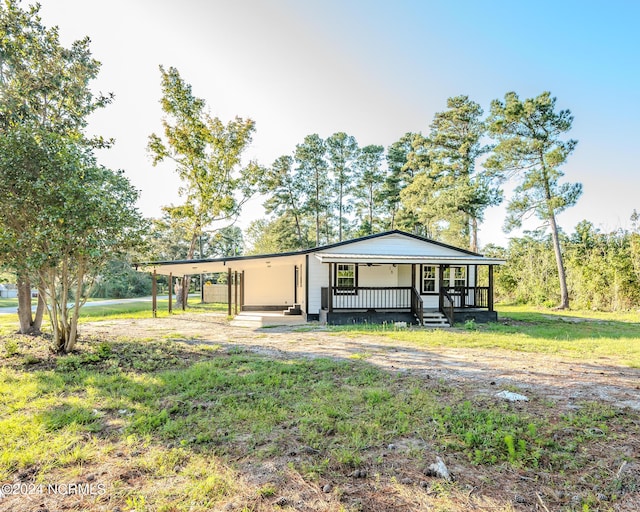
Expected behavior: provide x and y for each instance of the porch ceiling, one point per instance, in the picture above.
(420, 259)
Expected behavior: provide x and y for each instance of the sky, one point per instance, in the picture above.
(375, 69)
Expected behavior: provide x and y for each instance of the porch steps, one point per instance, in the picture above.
(435, 319)
(293, 310)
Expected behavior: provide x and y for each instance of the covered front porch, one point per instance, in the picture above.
(425, 291)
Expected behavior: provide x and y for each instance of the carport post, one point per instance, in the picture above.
(154, 293)
(235, 297)
(228, 292)
(241, 290)
(170, 292)
(490, 291)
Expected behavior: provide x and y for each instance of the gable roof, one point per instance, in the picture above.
(320, 249)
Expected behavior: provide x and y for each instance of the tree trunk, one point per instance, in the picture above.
(562, 276)
(474, 234)
(317, 191)
(370, 210)
(24, 305)
(186, 279)
(340, 214)
(70, 342)
(37, 320)
(564, 294)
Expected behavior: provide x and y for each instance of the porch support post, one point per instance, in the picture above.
(154, 295)
(229, 292)
(241, 290)
(235, 285)
(413, 275)
(170, 292)
(490, 292)
(330, 290)
(440, 287)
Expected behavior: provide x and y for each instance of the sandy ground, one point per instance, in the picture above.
(562, 380)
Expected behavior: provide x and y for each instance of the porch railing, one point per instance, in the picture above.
(468, 296)
(447, 305)
(417, 307)
(364, 298)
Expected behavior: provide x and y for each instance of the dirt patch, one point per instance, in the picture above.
(561, 380)
(392, 477)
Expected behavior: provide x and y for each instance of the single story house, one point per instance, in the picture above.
(390, 276)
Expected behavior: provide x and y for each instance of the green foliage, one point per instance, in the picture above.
(448, 195)
(342, 152)
(207, 155)
(530, 147)
(368, 190)
(119, 280)
(600, 268)
(312, 167)
(64, 214)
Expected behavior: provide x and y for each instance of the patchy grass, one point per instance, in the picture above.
(126, 310)
(527, 330)
(171, 426)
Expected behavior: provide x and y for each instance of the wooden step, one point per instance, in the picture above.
(293, 310)
(435, 319)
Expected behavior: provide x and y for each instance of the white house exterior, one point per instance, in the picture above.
(387, 276)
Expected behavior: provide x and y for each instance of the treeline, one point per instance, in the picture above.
(332, 189)
(603, 269)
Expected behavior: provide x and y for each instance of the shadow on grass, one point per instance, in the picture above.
(321, 417)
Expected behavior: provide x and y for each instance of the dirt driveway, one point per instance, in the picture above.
(562, 380)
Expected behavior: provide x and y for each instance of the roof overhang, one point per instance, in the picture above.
(417, 259)
(235, 263)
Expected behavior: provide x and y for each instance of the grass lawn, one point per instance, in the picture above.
(134, 309)
(170, 426)
(575, 334)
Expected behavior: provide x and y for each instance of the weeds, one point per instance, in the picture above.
(185, 417)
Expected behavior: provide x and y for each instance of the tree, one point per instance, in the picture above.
(80, 216)
(207, 155)
(368, 190)
(286, 192)
(399, 176)
(225, 242)
(449, 190)
(271, 236)
(342, 151)
(312, 173)
(44, 89)
(530, 148)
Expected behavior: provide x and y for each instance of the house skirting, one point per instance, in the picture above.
(480, 316)
(365, 317)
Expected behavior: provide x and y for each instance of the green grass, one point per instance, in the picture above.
(126, 310)
(611, 336)
(9, 303)
(187, 419)
(185, 412)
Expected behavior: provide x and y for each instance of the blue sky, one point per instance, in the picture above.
(375, 69)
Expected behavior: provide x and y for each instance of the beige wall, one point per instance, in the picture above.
(269, 286)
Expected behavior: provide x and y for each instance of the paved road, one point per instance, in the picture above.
(109, 302)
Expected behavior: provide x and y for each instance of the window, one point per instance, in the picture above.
(451, 277)
(429, 276)
(346, 277)
(455, 276)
